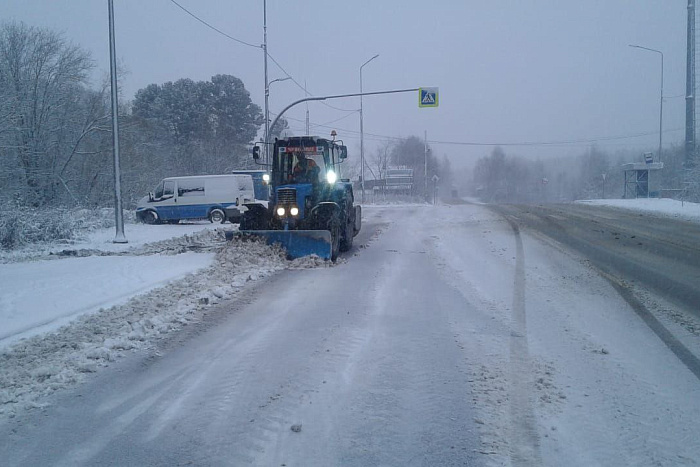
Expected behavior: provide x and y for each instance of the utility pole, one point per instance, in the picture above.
(690, 89)
(118, 213)
(425, 154)
(362, 135)
(661, 102)
(308, 129)
(267, 86)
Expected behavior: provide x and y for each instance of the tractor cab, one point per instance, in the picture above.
(304, 173)
(306, 159)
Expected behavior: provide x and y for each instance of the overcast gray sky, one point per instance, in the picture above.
(508, 70)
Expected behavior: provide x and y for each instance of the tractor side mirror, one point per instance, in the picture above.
(256, 153)
(343, 153)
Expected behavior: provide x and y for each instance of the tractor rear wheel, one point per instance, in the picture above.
(348, 230)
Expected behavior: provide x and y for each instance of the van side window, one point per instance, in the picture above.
(190, 188)
(169, 188)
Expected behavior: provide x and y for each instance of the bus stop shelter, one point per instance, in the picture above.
(638, 180)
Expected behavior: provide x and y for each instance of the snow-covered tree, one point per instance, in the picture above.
(46, 114)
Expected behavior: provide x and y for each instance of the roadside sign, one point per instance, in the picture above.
(648, 157)
(428, 97)
(435, 178)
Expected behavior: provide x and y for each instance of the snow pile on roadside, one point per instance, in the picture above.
(661, 206)
(73, 287)
(92, 241)
(38, 366)
(20, 226)
(314, 261)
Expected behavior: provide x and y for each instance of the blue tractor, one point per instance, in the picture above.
(311, 210)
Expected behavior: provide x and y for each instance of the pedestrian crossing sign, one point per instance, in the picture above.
(428, 97)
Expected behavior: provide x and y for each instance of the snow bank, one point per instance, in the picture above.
(38, 295)
(100, 239)
(35, 367)
(663, 207)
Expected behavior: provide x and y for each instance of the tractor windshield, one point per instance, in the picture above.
(300, 165)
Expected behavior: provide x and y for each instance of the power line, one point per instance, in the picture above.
(212, 27)
(556, 143)
(337, 119)
(257, 47)
(379, 137)
(385, 137)
(302, 87)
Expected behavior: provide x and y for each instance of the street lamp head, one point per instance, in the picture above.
(361, 66)
(646, 48)
(279, 80)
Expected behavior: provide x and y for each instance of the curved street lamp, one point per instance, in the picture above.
(267, 115)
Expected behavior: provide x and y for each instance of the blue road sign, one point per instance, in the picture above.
(428, 97)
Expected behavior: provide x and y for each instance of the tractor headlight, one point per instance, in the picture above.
(294, 211)
(331, 177)
(280, 211)
(266, 178)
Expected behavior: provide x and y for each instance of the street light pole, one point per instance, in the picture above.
(267, 85)
(269, 128)
(661, 104)
(425, 160)
(362, 135)
(338, 96)
(118, 212)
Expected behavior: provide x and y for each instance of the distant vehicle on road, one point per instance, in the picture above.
(213, 197)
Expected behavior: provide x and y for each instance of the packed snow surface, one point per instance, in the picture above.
(659, 206)
(38, 295)
(86, 305)
(101, 240)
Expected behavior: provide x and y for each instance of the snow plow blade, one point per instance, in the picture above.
(298, 243)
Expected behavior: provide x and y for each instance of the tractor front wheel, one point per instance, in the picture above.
(334, 228)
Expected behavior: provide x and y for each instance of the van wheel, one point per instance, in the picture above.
(150, 217)
(217, 215)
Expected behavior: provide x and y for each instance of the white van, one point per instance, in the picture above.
(196, 197)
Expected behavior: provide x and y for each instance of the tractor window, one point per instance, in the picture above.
(292, 171)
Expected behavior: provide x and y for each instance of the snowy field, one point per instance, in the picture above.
(99, 241)
(661, 207)
(68, 309)
(77, 286)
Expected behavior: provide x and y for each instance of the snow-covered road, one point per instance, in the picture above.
(446, 337)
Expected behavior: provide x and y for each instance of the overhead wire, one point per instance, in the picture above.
(389, 138)
(585, 141)
(214, 28)
(257, 47)
(303, 88)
